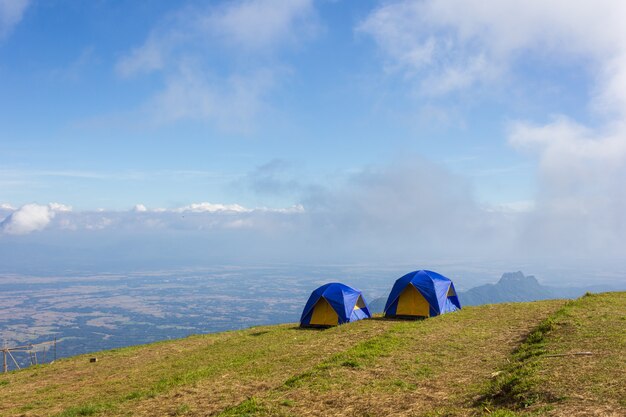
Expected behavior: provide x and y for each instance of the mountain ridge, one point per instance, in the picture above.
(517, 287)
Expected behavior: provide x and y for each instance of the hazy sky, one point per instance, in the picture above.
(313, 130)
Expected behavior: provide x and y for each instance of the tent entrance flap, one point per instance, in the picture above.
(359, 303)
(323, 314)
(412, 303)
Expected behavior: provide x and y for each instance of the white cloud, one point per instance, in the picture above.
(144, 59)
(198, 52)
(581, 199)
(239, 224)
(394, 211)
(206, 207)
(212, 208)
(244, 26)
(272, 178)
(192, 218)
(445, 46)
(73, 71)
(99, 224)
(58, 207)
(296, 208)
(232, 103)
(565, 145)
(260, 24)
(462, 44)
(405, 210)
(6, 206)
(33, 217)
(513, 207)
(400, 211)
(11, 13)
(28, 218)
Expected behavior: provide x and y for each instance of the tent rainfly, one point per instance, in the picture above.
(333, 304)
(421, 294)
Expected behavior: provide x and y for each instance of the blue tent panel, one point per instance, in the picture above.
(341, 298)
(436, 289)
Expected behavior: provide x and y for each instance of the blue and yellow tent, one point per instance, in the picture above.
(334, 304)
(422, 294)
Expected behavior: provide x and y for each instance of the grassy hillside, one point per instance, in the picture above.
(495, 359)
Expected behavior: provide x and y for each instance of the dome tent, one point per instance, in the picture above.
(422, 294)
(333, 304)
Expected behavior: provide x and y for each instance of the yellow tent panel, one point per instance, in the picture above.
(323, 314)
(412, 303)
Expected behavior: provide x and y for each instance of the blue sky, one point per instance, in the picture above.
(329, 107)
(340, 113)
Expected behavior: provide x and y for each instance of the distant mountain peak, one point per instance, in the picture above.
(512, 286)
(512, 278)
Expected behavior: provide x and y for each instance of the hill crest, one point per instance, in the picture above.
(476, 361)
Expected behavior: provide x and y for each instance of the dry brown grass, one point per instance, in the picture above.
(290, 352)
(435, 367)
(48, 389)
(130, 380)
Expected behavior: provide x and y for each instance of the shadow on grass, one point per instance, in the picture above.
(312, 328)
(377, 318)
(260, 333)
(399, 318)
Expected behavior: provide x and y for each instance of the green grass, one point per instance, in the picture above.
(593, 384)
(536, 379)
(516, 385)
(435, 367)
(248, 408)
(403, 365)
(182, 410)
(359, 355)
(85, 410)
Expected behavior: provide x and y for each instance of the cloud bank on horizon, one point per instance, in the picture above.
(393, 213)
(552, 75)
